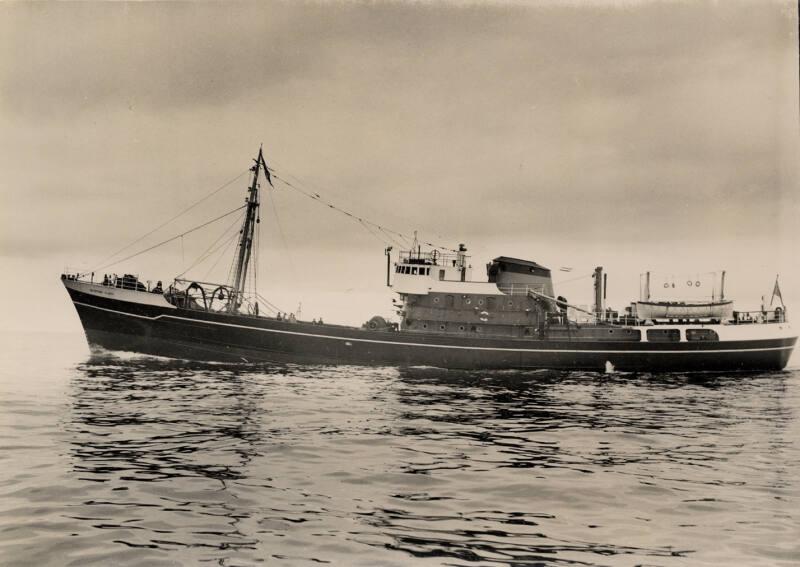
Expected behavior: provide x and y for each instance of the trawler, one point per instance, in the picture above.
(511, 320)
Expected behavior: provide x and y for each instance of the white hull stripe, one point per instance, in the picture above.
(554, 350)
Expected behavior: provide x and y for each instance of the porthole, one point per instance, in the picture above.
(441, 327)
(468, 301)
(511, 304)
(461, 327)
(424, 325)
(436, 300)
(480, 302)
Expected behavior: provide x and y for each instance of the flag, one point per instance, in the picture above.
(266, 172)
(776, 292)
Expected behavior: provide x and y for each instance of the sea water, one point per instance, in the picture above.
(117, 459)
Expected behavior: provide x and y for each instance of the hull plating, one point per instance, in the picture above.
(178, 333)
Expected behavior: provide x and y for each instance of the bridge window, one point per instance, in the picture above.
(701, 335)
(441, 275)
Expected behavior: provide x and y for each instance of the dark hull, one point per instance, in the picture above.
(198, 335)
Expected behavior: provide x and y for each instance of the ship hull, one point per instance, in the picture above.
(127, 320)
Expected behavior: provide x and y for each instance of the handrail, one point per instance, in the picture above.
(433, 258)
(183, 280)
(521, 289)
(750, 317)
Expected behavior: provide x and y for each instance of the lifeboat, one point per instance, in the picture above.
(720, 310)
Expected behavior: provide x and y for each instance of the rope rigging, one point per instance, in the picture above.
(283, 236)
(225, 247)
(181, 235)
(318, 198)
(222, 244)
(208, 251)
(576, 278)
(165, 223)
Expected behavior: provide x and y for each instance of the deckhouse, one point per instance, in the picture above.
(438, 295)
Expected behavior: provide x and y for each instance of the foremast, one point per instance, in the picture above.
(247, 233)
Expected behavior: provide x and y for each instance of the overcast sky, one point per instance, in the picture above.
(634, 135)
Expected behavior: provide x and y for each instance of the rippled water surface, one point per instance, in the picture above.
(126, 460)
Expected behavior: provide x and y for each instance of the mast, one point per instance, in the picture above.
(598, 291)
(246, 238)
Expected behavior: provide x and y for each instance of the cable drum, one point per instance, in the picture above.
(376, 323)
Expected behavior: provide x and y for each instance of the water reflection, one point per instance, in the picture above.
(587, 439)
(234, 463)
(153, 420)
(186, 431)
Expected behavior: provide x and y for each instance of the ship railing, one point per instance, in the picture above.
(778, 315)
(130, 282)
(521, 289)
(559, 317)
(432, 258)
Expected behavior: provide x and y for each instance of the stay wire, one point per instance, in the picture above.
(283, 236)
(268, 303)
(317, 197)
(208, 251)
(255, 262)
(408, 239)
(165, 223)
(574, 279)
(191, 230)
(383, 240)
(225, 247)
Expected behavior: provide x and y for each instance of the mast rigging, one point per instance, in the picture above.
(247, 234)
